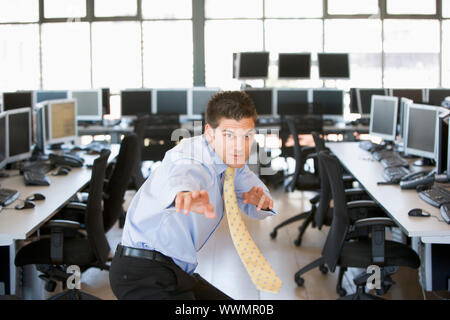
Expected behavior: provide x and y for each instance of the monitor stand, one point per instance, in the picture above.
(424, 162)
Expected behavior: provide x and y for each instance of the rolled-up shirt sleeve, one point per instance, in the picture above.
(184, 175)
(244, 181)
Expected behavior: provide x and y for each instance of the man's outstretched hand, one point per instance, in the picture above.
(196, 201)
(257, 197)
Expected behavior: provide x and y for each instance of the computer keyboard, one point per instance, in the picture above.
(36, 178)
(7, 196)
(394, 160)
(435, 196)
(381, 154)
(394, 174)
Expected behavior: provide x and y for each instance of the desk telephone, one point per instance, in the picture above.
(412, 180)
(66, 160)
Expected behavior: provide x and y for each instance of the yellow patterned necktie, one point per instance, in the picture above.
(260, 271)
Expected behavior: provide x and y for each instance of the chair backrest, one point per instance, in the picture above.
(323, 208)
(340, 223)
(94, 212)
(127, 162)
(299, 162)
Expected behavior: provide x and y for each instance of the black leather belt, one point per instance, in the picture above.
(142, 254)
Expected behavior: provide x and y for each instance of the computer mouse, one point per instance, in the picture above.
(61, 172)
(445, 212)
(417, 212)
(36, 197)
(25, 205)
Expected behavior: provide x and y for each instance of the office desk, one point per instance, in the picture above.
(395, 201)
(20, 224)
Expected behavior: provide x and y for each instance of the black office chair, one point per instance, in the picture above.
(53, 255)
(344, 249)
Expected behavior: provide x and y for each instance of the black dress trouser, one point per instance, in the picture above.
(134, 278)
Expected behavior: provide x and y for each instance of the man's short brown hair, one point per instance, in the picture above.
(231, 105)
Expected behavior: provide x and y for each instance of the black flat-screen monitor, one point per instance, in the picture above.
(334, 66)
(252, 65)
(262, 98)
(136, 102)
(15, 100)
(353, 101)
(331, 102)
(3, 141)
(106, 107)
(416, 95)
(292, 102)
(171, 101)
(294, 65)
(436, 96)
(19, 134)
(364, 98)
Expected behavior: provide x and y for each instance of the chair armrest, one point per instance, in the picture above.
(64, 224)
(378, 221)
(76, 206)
(354, 191)
(361, 203)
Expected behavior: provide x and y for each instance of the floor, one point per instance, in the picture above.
(221, 266)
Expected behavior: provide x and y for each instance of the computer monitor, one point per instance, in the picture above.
(404, 104)
(294, 65)
(106, 106)
(251, 65)
(331, 102)
(364, 99)
(292, 101)
(89, 104)
(442, 158)
(263, 100)
(436, 96)
(383, 117)
(60, 121)
(421, 134)
(136, 102)
(3, 140)
(19, 134)
(18, 99)
(353, 101)
(416, 95)
(200, 98)
(334, 65)
(44, 95)
(171, 101)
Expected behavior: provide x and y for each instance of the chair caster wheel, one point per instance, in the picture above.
(273, 234)
(298, 242)
(299, 280)
(323, 269)
(341, 292)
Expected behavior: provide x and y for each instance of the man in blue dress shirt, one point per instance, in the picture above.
(180, 205)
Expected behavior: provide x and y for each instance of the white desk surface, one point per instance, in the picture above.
(20, 224)
(395, 201)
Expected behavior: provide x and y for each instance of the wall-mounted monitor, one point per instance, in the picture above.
(251, 65)
(294, 65)
(334, 65)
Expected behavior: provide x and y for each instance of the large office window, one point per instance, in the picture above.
(167, 9)
(64, 9)
(352, 6)
(293, 8)
(116, 55)
(362, 39)
(411, 6)
(219, 9)
(66, 56)
(446, 8)
(446, 53)
(222, 38)
(168, 54)
(411, 53)
(115, 8)
(19, 11)
(19, 57)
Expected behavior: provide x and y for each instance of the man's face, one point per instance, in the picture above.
(232, 140)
